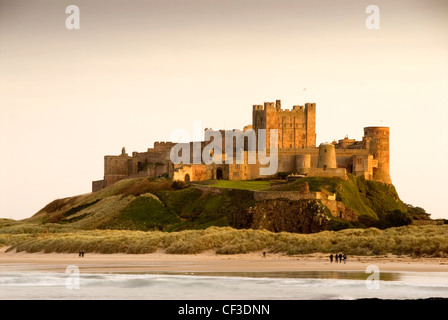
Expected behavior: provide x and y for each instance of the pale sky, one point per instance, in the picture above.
(136, 70)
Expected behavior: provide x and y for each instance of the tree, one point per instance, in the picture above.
(417, 213)
(397, 218)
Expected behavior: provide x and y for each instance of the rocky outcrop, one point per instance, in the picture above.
(302, 216)
(339, 210)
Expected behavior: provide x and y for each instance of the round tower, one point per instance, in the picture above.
(303, 163)
(327, 156)
(377, 142)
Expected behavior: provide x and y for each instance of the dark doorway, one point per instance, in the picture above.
(219, 174)
(187, 177)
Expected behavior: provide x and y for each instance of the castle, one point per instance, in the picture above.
(297, 152)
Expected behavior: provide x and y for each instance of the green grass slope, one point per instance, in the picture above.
(128, 204)
(375, 203)
(145, 204)
(141, 204)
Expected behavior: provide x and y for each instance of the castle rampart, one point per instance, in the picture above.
(297, 152)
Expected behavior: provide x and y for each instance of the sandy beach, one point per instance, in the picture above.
(159, 262)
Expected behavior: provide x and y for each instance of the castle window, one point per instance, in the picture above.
(236, 174)
(290, 146)
(290, 136)
(303, 136)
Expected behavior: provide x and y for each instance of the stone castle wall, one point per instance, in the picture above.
(289, 195)
(297, 152)
(296, 127)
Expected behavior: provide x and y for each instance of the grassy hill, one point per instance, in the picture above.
(144, 204)
(376, 204)
(130, 216)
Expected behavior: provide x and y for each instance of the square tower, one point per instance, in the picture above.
(296, 127)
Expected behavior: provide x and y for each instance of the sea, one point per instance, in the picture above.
(322, 285)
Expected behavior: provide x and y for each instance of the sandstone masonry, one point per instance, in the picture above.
(297, 153)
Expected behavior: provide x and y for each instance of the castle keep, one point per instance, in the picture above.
(297, 152)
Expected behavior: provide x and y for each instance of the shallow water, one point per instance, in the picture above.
(233, 286)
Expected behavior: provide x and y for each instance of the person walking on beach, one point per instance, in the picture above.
(340, 258)
(344, 257)
(331, 258)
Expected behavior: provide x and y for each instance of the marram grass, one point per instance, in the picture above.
(431, 241)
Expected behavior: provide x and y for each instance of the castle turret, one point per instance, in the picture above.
(303, 163)
(327, 156)
(376, 140)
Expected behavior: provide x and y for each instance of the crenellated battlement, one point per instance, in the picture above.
(296, 127)
(276, 106)
(297, 152)
(257, 107)
(163, 144)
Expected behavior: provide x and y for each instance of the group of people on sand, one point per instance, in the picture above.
(341, 257)
(81, 253)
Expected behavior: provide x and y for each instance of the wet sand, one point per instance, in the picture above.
(159, 262)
